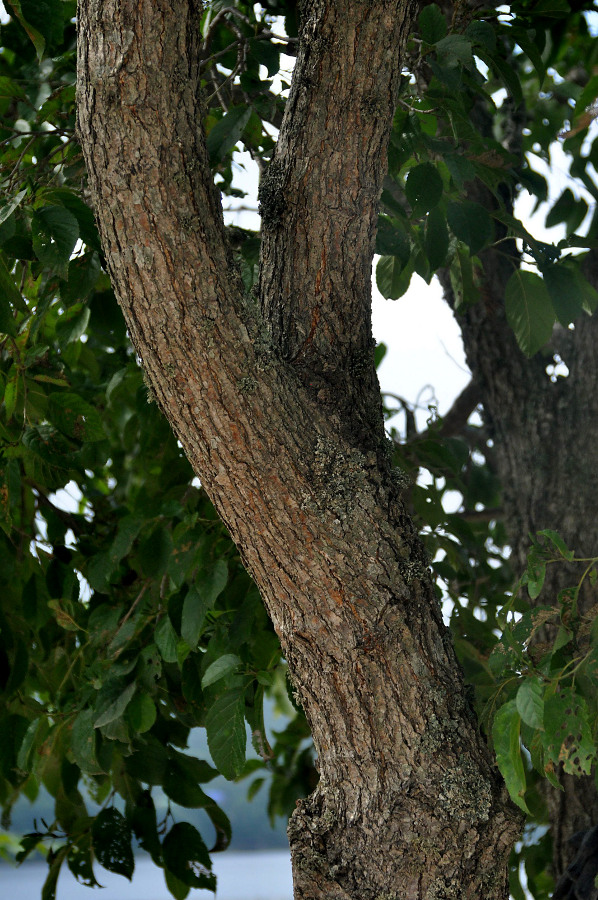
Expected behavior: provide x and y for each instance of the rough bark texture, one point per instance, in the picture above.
(545, 434)
(278, 410)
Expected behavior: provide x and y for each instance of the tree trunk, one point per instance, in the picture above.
(545, 433)
(278, 409)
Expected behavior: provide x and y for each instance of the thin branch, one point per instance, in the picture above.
(454, 422)
(482, 515)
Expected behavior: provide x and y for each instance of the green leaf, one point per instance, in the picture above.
(529, 310)
(267, 54)
(73, 323)
(187, 857)
(128, 529)
(141, 713)
(379, 354)
(552, 8)
(391, 240)
(482, 34)
(80, 861)
(436, 242)
(10, 299)
(155, 552)
(55, 231)
(48, 444)
(507, 746)
(148, 762)
(227, 132)
(432, 24)
(181, 786)
(460, 168)
(567, 735)
(212, 580)
(200, 598)
(530, 702)
(115, 709)
(463, 279)
(46, 17)
(195, 608)
(529, 47)
(35, 36)
(177, 888)
(221, 824)
(562, 209)
(166, 640)
(392, 278)
(11, 393)
(471, 224)
(29, 743)
(83, 743)
(83, 213)
(536, 573)
(455, 48)
(588, 292)
(111, 838)
(49, 888)
(221, 667)
(75, 417)
(144, 824)
(557, 541)
(504, 71)
(569, 291)
(7, 211)
(423, 188)
(225, 727)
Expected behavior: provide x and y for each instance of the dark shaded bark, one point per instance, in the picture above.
(278, 410)
(545, 435)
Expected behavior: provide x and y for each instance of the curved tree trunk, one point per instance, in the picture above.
(278, 410)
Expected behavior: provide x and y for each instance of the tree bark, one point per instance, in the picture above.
(277, 406)
(544, 431)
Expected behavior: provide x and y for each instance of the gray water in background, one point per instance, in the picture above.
(258, 875)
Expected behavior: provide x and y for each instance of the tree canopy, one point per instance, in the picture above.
(127, 617)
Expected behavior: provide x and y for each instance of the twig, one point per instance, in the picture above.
(134, 605)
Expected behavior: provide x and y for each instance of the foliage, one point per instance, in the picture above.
(126, 617)
(457, 162)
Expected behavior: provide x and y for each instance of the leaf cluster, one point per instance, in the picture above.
(126, 618)
(467, 131)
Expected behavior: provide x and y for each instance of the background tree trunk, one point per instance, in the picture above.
(544, 432)
(279, 414)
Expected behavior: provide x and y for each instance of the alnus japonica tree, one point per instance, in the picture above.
(240, 388)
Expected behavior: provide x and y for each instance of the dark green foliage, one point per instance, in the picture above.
(126, 617)
(444, 145)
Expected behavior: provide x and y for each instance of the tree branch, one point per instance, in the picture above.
(330, 159)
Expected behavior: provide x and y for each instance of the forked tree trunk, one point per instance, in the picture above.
(278, 409)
